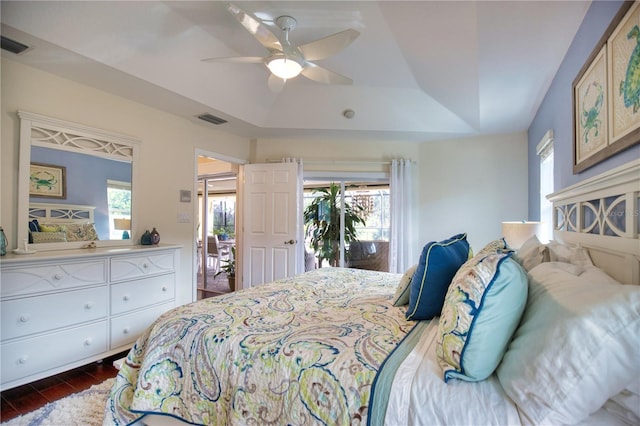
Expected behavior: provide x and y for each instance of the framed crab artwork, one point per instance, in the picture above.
(591, 110)
(606, 93)
(47, 180)
(624, 78)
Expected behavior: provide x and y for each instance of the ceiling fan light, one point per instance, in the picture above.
(284, 68)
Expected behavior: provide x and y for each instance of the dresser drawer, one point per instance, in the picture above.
(127, 328)
(21, 317)
(136, 294)
(24, 357)
(140, 266)
(32, 279)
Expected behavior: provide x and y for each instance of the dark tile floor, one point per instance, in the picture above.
(29, 397)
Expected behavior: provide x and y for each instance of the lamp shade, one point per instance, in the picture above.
(516, 233)
(122, 224)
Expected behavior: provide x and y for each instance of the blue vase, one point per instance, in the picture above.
(3, 242)
(145, 240)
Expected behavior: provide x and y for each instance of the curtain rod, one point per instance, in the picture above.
(340, 162)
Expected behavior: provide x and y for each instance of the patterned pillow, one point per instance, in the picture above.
(401, 297)
(494, 246)
(481, 312)
(438, 263)
(81, 232)
(47, 227)
(49, 237)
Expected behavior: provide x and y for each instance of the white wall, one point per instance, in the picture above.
(167, 152)
(465, 185)
(472, 185)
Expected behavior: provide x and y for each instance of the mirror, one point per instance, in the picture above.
(75, 185)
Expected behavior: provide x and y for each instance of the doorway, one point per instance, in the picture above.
(216, 226)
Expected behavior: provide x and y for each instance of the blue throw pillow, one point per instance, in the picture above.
(438, 264)
(481, 312)
(34, 226)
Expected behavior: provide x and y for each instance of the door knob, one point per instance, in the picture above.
(290, 242)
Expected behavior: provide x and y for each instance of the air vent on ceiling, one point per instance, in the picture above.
(12, 46)
(211, 118)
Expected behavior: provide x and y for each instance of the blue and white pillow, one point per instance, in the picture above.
(438, 264)
(482, 309)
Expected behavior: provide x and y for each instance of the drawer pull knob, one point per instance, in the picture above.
(125, 330)
(24, 318)
(88, 305)
(164, 288)
(23, 359)
(145, 265)
(87, 342)
(57, 277)
(125, 297)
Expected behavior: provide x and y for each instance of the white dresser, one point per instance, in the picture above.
(67, 308)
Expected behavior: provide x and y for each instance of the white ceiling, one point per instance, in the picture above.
(422, 70)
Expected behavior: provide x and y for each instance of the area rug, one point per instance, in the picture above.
(84, 408)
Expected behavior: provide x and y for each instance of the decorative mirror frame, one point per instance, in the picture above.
(38, 130)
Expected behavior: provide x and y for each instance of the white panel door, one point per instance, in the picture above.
(270, 222)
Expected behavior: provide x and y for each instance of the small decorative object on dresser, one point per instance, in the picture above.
(3, 242)
(145, 240)
(155, 236)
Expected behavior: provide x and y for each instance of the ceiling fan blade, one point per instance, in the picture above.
(328, 46)
(237, 59)
(256, 28)
(276, 84)
(324, 75)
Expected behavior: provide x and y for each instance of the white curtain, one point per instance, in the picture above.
(300, 266)
(401, 200)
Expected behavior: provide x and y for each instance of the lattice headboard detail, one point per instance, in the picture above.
(601, 214)
(61, 213)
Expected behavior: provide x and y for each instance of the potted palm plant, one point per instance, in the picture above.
(322, 223)
(229, 268)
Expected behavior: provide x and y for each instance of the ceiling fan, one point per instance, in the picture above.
(286, 61)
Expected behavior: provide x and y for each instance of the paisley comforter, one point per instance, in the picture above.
(302, 350)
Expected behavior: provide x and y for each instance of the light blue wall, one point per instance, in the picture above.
(86, 181)
(556, 110)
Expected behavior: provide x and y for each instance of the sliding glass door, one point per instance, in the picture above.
(346, 223)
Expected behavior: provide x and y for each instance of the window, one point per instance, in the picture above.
(545, 152)
(365, 231)
(119, 202)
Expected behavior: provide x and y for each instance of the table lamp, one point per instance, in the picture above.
(123, 225)
(516, 233)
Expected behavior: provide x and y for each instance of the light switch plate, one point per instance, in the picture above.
(184, 217)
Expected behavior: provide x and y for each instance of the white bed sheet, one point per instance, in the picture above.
(419, 396)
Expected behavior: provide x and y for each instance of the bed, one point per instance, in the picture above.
(347, 346)
(51, 223)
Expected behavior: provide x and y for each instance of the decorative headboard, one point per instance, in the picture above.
(601, 214)
(61, 213)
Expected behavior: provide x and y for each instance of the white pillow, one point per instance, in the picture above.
(576, 346)
(569, 253)
(625, 406)
(532, 253)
